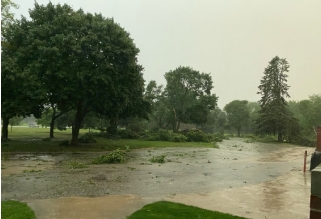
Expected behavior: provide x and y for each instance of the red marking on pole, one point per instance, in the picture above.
(305, 161)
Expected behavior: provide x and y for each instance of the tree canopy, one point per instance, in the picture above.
(188, 96)
(6, 15)
(238, 114)
(82, 61)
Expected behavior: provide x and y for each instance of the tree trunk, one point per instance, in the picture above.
(80, 114)
(4, 133)
(178, 125)
(175, 125)
(280, 137)
(52, 126)
(112, 129)
(75, 132)
(11, 127)
(239, 132)
(52, 123)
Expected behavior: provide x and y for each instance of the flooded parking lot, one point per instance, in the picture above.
(253, 180)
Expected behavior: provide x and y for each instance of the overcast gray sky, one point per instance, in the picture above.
(233, 40)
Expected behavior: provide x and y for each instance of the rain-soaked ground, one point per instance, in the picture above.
(253, 180)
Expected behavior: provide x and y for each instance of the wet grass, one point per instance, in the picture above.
(16, 210)
(170, 210)
(25, 139)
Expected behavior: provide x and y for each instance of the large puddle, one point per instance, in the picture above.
(253, 180)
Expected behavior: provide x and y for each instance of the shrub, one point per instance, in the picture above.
(217, 137)
(160, 135)
(116, 156)
(163, 135)
(150, 137)
(197, 136)
(305, 141)
(87, 138)
(178, 137)
(127, 134)
(158, 159)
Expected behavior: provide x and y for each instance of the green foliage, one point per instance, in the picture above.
(127, 134)
(64, 52)
(15, 120)
(170, 210)
(87, 138)
(7, 16)
(253, 108)
(160, 115)
(158, 159)
(305, 141)
(77, 165)
(160, 135)
(16, 210)
(116, 156)
(197, 136)
(217, 137)
(127, 148)
(45, 118)
(176, 137)
(65, 120)
(20, 142)
(267, 138)
(308, 114)
(163, 135)
(188, 96)
(238, 114)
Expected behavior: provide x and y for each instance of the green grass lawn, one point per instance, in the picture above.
(170, 210)
(25, 139)
(16, 210)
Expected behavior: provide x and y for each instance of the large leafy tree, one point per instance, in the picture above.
(274, 116)
(20, 94)
(238, 114)
(254, 108)
(84, 62)
(160, 114)
(216, 121)
(308, 113)
(188, 96)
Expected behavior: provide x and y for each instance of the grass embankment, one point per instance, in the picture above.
(25, 139)
(16, 210)
(170, 210)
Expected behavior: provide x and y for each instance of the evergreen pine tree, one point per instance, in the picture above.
(274, 116)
